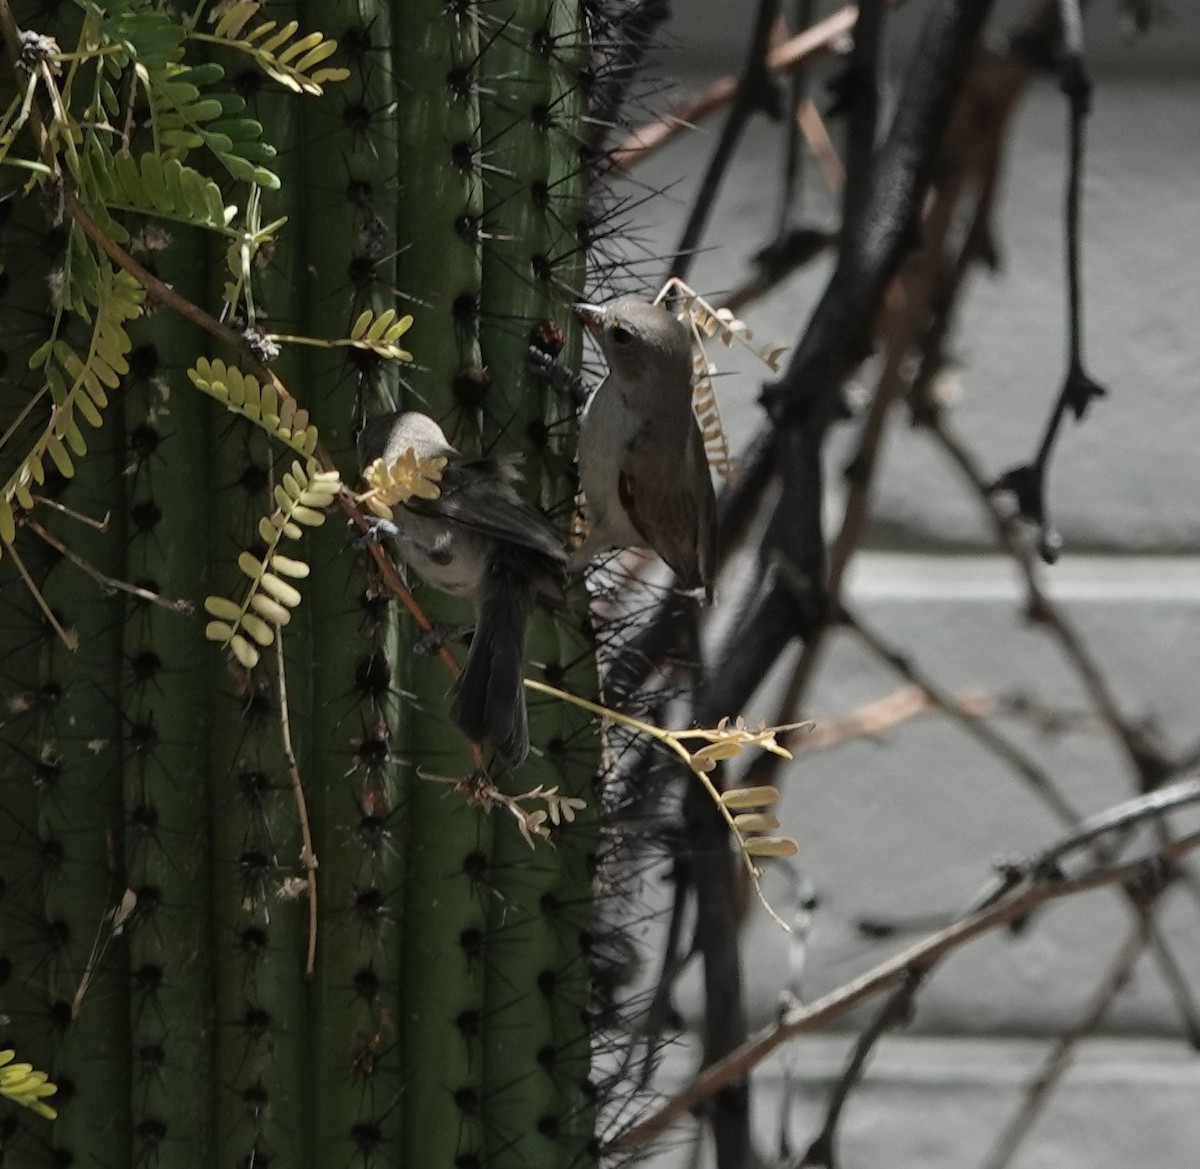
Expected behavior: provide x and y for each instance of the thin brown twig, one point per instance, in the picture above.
(391, 578)
(829, 163)
(77, 516)
(1023, 764)
(308, 858)
(67, 637)
(1059, 1059)
(162, 291)
(897, 1008)
(1047, 718)
(920, 956)
(24, 413)
(813, 42)
(1178, 985)
(1043, 609)
(111, 583)
(921, 696)
(886, 714)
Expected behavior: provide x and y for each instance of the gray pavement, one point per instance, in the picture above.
(929, 1103)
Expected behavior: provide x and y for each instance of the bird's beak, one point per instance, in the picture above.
(591, 315)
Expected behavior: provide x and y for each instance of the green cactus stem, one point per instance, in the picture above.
(536, 1054)
(352, 167)
(81, 818)
(168, 670)
(445, 892)
(25, 866)
(259, 931)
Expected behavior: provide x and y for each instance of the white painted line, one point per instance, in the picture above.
(897, 576)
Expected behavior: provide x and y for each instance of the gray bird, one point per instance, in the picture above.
(480, 540)
(642, 464)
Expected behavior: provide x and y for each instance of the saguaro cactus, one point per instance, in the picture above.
(184, 836)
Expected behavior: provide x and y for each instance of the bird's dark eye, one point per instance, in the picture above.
(620, 335)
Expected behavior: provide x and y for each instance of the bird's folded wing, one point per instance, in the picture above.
(666, 513)
(492, 508)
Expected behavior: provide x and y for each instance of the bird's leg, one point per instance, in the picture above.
(441, 551)
(378, 529)
(560, 378)
(430, 641)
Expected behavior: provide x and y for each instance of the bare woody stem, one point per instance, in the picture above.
(887, 974)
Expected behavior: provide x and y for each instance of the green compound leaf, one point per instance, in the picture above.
(77, 384)
(303, 497)
(186, 119)
(379, 333)
(150, 185)
(22, 1083)
(242, 394)
(296, 63)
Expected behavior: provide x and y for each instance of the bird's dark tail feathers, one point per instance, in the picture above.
(489, 700)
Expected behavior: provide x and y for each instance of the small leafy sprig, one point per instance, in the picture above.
(22, 1083)
(305, 492)
(377, 333)
(242, 393)
(89, 380)
(706, 322)
(149, 185)
(407, 478)
(77, 386)
(274, 49)
(719, 322)
(751, 830)
(301, 498)
(533, 823)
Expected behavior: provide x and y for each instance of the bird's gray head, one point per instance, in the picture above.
(390, 435)
(420, 432)
(643, 343)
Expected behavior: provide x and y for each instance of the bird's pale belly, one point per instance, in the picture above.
(605, 435)
(438, 555)
(456, 578)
